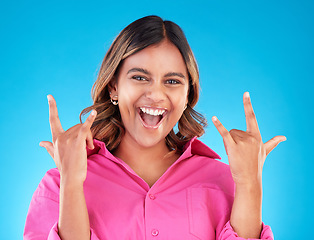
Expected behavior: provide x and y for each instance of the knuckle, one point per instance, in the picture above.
(57, 142)
(252, 140)
(224, 134)
(77, 128)
(232, 130)
(53, 116)
(83, 129)
(69, 140)
(62, 139)
(250, 114)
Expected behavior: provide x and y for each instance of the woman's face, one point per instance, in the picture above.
(152, 88)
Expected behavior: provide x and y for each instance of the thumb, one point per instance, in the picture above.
(272, 143)
(49, 147)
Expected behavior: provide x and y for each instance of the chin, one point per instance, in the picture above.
(148, 142)
(149, 139)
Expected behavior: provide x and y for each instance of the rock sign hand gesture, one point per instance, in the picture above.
(246, 155)
(246, 150)
(68, 148)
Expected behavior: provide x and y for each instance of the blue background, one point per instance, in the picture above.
(264, 47)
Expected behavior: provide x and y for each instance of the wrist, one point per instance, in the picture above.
(251, 190)
(247, 181)
(67, 182)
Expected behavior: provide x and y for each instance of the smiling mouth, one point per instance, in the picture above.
(152, 117)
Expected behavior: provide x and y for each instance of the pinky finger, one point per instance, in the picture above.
(90, 119)
(48, 146)
(89, 140)
(223, 131)
(272, 143)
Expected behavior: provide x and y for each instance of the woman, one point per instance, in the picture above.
(125, 174)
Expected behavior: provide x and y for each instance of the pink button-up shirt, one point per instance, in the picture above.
(191, 200)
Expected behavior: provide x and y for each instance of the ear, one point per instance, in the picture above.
(113, 88)
(188, 94)
(187, 99)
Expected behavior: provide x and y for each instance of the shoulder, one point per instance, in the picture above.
(216, 174)
(49, 185)
(199, 151)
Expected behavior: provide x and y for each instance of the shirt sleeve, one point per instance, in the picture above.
(43, 213)
(228, 233)
(54, 235)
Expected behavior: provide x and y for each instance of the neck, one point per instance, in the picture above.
(148, 162)
(140, 154)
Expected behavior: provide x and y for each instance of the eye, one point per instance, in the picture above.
(173, 81)
(139, 78)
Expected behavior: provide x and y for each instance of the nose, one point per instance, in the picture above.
(156, 92)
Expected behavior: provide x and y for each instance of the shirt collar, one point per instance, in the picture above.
(100, 148)
(196, 147)
(192, 147)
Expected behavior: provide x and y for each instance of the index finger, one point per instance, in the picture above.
(55, 124)
(251, 122)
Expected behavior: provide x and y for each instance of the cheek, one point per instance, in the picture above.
(178, 103)
(130, 90)
(180, 98)
(128, 96)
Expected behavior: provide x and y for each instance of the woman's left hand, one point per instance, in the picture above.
(245, 149)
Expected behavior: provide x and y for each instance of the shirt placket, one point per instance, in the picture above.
(152, 227)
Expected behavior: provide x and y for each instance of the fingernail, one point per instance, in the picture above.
(93, 113)
(91, 148)
(49, 98)
(40, 144)
(247, 94)
(214, 118)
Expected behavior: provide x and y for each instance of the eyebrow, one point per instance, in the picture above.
(169, 74)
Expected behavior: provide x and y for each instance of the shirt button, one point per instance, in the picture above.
(155, 232)
(151, 196)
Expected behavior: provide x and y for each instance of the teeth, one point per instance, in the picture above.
(152, 112)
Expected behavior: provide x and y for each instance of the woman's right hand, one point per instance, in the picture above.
(68, 148)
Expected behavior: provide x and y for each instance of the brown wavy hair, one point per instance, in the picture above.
(146, 31)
